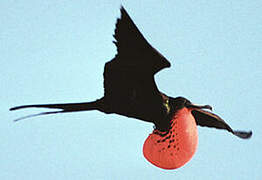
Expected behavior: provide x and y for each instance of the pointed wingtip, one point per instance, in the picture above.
(122, 8)
(123, 11)
(242, 134)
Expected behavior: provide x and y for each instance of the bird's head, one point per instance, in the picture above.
(181, 102)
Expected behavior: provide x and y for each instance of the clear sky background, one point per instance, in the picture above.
(54, 52)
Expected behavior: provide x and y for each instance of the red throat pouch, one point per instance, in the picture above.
(176, 147)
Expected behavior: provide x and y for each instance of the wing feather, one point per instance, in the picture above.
(129, 78)
(208, 119)
(133, 49)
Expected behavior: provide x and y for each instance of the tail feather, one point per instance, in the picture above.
(38, 114)
(67, 107)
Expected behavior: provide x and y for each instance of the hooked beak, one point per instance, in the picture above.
(190, 105)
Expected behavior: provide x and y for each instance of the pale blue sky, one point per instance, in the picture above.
(50, 47)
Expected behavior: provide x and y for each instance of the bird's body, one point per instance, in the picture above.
(130, 90)
(174, 148)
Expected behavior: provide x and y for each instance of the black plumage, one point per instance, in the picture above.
(130, 88)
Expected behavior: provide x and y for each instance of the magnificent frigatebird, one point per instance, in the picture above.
(130, 90)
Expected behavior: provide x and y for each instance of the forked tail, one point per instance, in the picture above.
(67, 107)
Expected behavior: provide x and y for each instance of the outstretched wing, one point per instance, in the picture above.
(208, 119)
(129, 78)
(133, 49)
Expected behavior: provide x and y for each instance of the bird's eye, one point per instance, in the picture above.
(186, 102)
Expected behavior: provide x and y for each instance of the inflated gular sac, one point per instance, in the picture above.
(175, 148)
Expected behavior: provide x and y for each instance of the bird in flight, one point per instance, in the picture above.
(130, 90)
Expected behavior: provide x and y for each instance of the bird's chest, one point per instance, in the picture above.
(176, 147)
